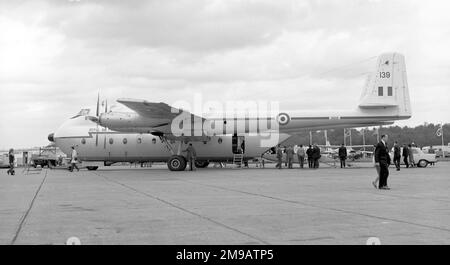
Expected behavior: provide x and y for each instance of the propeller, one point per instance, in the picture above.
(97, 114)
(96, 118)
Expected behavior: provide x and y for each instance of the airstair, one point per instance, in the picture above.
(238, 160)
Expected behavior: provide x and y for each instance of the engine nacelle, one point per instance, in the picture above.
(121, 121)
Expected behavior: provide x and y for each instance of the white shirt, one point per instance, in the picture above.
(74, 155)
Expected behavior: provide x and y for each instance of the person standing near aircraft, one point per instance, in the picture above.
(243, 152)
(377, 168)
(316, 156)
(411, 156)
(342, 155)
(397, 155)
(11, 162)
(279, 157)
(301, 155)
(384, 160)
(309, 153)
(405, 155)
(290, 156)
(191, 155)
(74, 160)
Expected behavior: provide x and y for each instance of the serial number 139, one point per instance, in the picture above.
(385, 75)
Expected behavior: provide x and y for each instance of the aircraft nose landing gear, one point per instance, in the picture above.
(177, 163)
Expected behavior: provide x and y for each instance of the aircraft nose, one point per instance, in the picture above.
(51, 137)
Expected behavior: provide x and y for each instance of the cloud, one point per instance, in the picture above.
(186, 25)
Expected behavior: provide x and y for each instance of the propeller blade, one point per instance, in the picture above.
(97, 113)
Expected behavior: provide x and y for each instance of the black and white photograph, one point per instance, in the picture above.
(234, 123)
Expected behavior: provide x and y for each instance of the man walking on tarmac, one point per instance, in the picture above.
(11, 162)
(384, 160)
(397, 155)
(74, 160)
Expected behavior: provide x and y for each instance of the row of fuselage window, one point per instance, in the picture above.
(139, 141)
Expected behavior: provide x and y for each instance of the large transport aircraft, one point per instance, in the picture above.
(146, 133)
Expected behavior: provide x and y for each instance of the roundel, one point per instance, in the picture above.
(283, 118)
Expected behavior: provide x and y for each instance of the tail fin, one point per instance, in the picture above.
(387, 87)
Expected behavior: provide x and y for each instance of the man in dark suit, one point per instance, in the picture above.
(397, 155)
(384, 160)
(309, 154)
(342, 155)
(316, 156)
(405, 155)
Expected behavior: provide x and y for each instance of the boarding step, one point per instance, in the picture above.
(238, 160)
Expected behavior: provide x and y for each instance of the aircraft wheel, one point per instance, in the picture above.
(201, 164)
(176, 163)
(423, 163)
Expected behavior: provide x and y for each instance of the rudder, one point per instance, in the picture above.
(387, 87)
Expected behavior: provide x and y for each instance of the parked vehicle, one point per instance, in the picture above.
(421, 158)
(4, 161)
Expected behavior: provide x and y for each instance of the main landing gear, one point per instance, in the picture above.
(176, 162)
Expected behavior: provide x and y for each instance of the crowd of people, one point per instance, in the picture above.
(311, 155)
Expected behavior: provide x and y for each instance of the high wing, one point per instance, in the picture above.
(153, 110)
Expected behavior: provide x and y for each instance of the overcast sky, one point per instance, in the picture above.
(56, 55)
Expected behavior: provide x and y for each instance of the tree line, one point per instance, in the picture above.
(422, 135)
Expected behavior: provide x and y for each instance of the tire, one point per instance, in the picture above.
(92, 168)
(422, 163)
(176, 163)
(201, 164)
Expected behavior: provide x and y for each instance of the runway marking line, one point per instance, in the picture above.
(322, 207)
(24, 217)
(183, 209)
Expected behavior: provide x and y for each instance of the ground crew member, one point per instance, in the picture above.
(191, 155)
